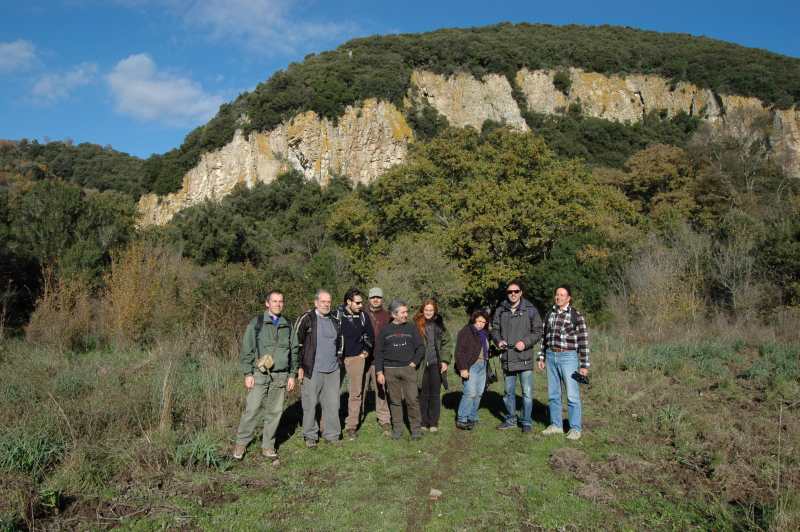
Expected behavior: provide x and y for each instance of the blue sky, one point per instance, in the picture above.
(140, 74)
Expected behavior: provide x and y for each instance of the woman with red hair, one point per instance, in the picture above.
(437, 359)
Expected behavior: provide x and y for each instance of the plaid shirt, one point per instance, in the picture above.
(561, 333)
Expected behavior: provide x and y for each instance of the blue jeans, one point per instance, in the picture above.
(560, 367)
(510, 399)
(473, 390)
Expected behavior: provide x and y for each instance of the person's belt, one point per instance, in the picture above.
(560, 349)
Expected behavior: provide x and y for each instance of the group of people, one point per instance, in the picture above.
(405, 361)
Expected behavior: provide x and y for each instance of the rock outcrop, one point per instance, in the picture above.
(364, 143)
(370, 138)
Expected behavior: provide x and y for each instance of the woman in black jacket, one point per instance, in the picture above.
(472, 355)
(434, 365)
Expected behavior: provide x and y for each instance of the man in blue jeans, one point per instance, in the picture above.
(565, 352)
(516, 329)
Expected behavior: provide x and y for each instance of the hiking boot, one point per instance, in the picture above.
(552, 429)
(416, 435)
(351, 435)
(386, 428)
(269, 453)
(506, 425)
(238, 452)
(311, 444)
(573, 434)
(463, 425)
(434, 429)
(526, 429)
(396, 434)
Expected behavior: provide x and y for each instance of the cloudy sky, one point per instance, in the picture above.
(140, 74)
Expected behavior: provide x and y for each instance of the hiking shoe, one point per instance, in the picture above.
(434, 429)
(238, 452)
(424, 429)
(386, 428)
(463, 425)
(416, 435)
(505, 425)
(332, 442)
(351, 435)
(526, 429)
(552, 429)
(573, 434)
(396, 435)
(311, 444)
(269, 453)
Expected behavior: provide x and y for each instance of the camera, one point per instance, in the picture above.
(580, 378)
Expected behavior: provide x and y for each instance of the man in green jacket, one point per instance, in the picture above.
(269, 372)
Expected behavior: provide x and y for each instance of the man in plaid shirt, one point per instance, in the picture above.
(565, 347)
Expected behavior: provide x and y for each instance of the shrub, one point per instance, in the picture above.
(562, 81)
(63, 316)
(201, 451)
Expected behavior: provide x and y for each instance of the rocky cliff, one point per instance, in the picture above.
(370, 138)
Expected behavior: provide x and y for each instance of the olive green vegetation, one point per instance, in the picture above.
(381, 66)
(87, 165)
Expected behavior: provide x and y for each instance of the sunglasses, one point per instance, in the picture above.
(513, 291)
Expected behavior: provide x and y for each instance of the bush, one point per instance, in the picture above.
(63, 316)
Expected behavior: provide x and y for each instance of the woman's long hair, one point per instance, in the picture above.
(419, 317)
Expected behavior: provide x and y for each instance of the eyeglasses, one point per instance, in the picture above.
(513, 291)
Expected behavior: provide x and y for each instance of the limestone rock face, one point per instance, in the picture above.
(466, 101)
(365, 142)
(370, 138)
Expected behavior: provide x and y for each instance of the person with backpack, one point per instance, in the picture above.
(317, 344)
(432, 372)
(516, 329)
(379, 318)
(565, 353)
(269, 372)
(472, 356)
(357, 334)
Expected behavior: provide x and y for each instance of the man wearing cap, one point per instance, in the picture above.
(269, 372)
(379, 318)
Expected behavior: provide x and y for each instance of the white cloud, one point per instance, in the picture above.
(265, 25)
(51, 88)
(16, 55)
(143, 92)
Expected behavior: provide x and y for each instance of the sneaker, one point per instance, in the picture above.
(526, 429)
(424, 429)
(505, 425)
(573, 434)
(416, 435)
(238, 452)
(552, 429)
(463, 425)
(434, 429)
(351, 435)
(269, 453)
(311, 444)
(471, 424)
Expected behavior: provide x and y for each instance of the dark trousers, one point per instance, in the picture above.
(401, 384)
(429, 399)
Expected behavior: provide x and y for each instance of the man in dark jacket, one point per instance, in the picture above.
(317, 343)
(516, 329)
(269, 371)
(399, 350)
(358, 342)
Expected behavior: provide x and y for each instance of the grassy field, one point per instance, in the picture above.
(677, 436)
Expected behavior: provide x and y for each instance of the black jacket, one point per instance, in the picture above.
(304, 340)
(357, 332)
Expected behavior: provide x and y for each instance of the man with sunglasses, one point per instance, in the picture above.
(359, 340)
(516, 329)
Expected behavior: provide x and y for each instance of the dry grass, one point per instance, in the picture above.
(63, 316)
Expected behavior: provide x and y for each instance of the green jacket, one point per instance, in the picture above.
(444, 350)
(272, 341)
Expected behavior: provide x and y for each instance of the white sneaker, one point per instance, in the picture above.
(573, 434)
(552, 429)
